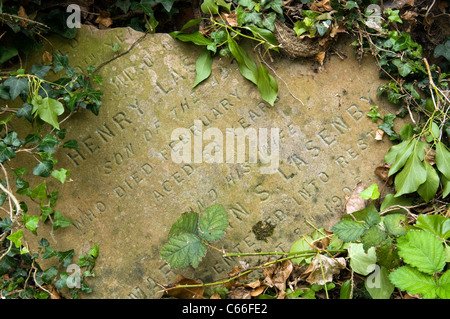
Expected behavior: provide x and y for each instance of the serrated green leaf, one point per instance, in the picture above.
(414, 282)
(387, 254)
(212, 223)
(396, 224)
(47, 109)
(436, 224)
(411, 177)
(187, 223)
(443, 159)
(374, 236)
(267, 85)
(443, 291)
(361, 262)
(422, 250)
(372, 218)
(183, 250)
(203, 67)
(349, 230)
(429, 188)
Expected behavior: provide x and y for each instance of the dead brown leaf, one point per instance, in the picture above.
(383, 172)
(21, 13)
(185, 293)
(355, 202)
(258, 291)
(253, 284)
(104, 20)
(320, 57)
(47, 57)
(379, 135)
(321, 6)
(322, 269)
(430, 156)
(230, 18)
(240, 293)
(277, 274)
(215, 295)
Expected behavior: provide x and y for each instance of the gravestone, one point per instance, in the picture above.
(127, 191)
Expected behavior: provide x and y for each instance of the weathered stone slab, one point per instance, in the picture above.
(127, 191)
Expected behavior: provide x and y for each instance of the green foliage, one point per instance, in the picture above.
(189, 235)
(223, 40)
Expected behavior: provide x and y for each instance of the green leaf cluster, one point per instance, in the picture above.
(189, 235)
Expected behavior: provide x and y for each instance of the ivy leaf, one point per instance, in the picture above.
(6, 152)
(411, 177)
(212, 223)
(422, 250)
(267, 85)
(47, 109)
(203, 67)
(61, 174)
(414, 282)
(436, 224)
(183, 250)
(16, 86)
(40, 191)
(48, 144)
(191, 23)
(187, 223)
(72, 144)
(48, 274)
(15, 238)
(44, 168)
(390, 200)
(429, 188)
(443, 159)
(65, 257)
(371, 192)
(349, 230)
(60, 221)
(31, 222)
(387, 255)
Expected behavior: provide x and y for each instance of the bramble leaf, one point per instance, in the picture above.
(187, 223)
(414, 282)
(183, 250)
(212, 223)
(349, 230)
(422, 250)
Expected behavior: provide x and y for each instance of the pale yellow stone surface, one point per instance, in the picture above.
(126, 192)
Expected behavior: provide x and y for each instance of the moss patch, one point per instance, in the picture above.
(262, 230)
